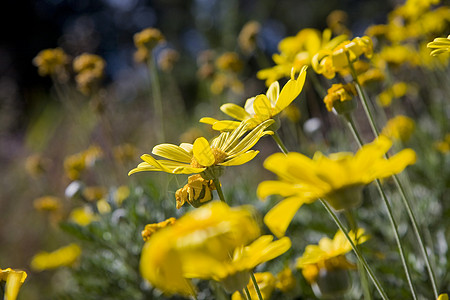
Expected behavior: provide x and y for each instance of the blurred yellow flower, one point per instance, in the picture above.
(261, 108)
(399, 128)
(89, 69)
(440, 45)
(47, 203)
(148, 39)
(339, 178)
(397, 90)
(443, 146)
(94, 193)
(196, 192)
(319, 263)
(62, 257)
(266, 284)
(339, 93)
(52, 62)
(229, 61)
(76, 163)
(152, 228)
(36, 165)
(443, 297)
(285, 280)
(167, 59)
(14, 280)
(199, 241)
(228, 149)
(328, 62)
(247, 36)
(124, 153)
(82, 216)
(297, 51)
(120, 194)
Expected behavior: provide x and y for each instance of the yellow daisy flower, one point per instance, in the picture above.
(328, 62)
(339, 178)
(152, 228)
(14, 280)
(440, 45)
(266, 283)
(62, 257)
(261, 108)
(321, 263)
(399, 128)
(228, 149)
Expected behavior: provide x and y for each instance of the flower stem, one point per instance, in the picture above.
(357, 252)
(279, 142)
(255, 284)
(247, 293)
(399, 185)
(219, 189)
(157, 100)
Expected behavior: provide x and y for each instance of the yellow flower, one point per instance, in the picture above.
(52, 62)
(444, 145)
(399, 128)
(47, 203)
(94, 193)
(152, 228)
(398, 90)
(247, 36)
(339, 178)
(148, 39)
(297, 51)
(196, 192)
(266, 284)
(62, 257)
(443, 297)
(229, 61)
(321, 263)
(82, 216)
(14, 280)
(328, 62)
(120, 194)
(76, 163)
(440, 45)
(261, 108)
(89, 69)
(339, 93)
(197, 241)
(285, 280)
(228, 149)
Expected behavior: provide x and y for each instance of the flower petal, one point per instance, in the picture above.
(290, 91)
(172, 152)
(281, 215)
(225, 125)
(262, 107)
(273, 92)
(234, 111)
(241, 159)
(273, 187)
(202, 152)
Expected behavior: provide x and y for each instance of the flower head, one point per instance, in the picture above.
(195, 246)
(339, 178)
(228, 149)
(285, 280)
(196, 192)
(148, 39)
(62, 257)
(328, 62)
(248, 35)
(89, 69)
(440, 45)
(47, 203)
(261, 108)
(14, 280)
(52, 62)
(339, 93)
(152, 228)
(399, 128)
(266, 283)
(298, 51)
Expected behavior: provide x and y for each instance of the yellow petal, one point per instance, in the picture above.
(172, 152)
(13, 284)
(241, 159)
(234, 111)
(281, 215)
(202, 152)
(262, 107)
(273, 92)
(272, 187)
(208, 120)
(225, 125)
(290, 91)
(187, 170)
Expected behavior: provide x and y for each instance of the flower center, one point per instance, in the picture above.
(219, 156)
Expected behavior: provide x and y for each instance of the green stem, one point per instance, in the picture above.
(357, 252)
(363, 276)
(247, 293)
(219, 189)
(279, 142)
(397, 237)
(255, 283)
(399, 185)
(157, 99)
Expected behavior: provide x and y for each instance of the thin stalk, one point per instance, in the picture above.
(247, 293)
(362, 274)
(219, 189)
(157, 99)
(398, 184)
(397, 238)
(357, 252)
(255, 284)
(280, 143)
